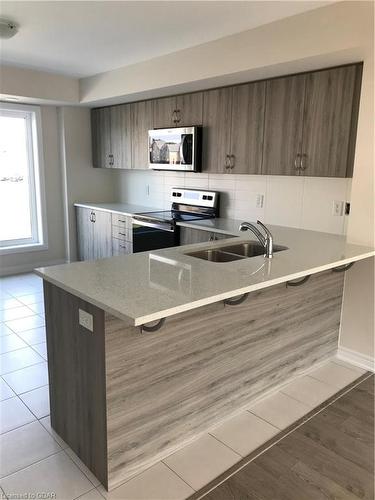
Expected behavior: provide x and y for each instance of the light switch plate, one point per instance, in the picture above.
(259, 201)
(86, 320)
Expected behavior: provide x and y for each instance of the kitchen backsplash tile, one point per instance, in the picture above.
(284, 197)
(304, 202)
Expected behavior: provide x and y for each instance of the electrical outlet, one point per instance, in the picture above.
(338, 208)
(259, 201)
(86, 320)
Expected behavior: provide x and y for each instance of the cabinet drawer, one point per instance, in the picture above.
(120, 220)
(121, 247)
(122, 232)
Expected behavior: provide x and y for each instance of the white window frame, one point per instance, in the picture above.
(39, 237)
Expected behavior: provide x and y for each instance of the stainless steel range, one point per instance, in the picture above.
(153, 230)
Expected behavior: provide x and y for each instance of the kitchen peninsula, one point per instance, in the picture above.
(126, 391)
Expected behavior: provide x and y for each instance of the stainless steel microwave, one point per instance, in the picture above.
(177, 148)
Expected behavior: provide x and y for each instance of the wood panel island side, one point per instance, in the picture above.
(123, 399)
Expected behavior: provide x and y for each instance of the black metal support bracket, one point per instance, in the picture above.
(236, 302)
(298, 282)
(342, 269)
(153, 328)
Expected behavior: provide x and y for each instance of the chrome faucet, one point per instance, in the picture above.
(266, 240)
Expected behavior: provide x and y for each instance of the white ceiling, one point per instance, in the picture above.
(84, 38)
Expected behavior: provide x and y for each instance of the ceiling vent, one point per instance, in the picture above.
(7, 28)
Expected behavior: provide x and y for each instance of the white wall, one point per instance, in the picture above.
(357, 325)
(38, 86)
(82, 181)
(302, 202)
(323, 37)
(19, 262)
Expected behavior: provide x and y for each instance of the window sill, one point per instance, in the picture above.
(32, 247)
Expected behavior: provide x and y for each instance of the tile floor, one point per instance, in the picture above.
(34, 459)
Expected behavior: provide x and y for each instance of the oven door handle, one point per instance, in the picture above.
(156, 225)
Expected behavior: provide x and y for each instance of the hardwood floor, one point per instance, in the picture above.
(331, 456)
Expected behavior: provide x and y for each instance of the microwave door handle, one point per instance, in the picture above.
(182, 162)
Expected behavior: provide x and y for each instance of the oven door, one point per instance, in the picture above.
(149, 235)
(175, 148)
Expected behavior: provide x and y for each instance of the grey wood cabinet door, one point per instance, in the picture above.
(121, 136)
(283, 124)
(189, 109)
(102, 234)
(164, 112)
(94, 234)
(217, 106)
(248, 108)
(327, 130)
(101, 137)
(142, 122)
(85, 233)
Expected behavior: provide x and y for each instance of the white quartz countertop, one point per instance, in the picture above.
(118, 208)
(148, 286)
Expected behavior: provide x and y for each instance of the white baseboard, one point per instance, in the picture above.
(28, 268)
(356, 358)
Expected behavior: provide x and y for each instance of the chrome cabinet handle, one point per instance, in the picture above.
(232, 160)
(176, 116)
(227, 162)
(303, 167)
(296, 166)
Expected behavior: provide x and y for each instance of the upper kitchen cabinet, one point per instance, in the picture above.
(233, 120)
(283, 125)
(111, 137)
(121, 136)
(178, 111)
(189, 109)
(248, 105)
(329, 130)
(302, 124)
(217, 109)
(164, 112)
(142, 122)
(310, 123)
(101, 137)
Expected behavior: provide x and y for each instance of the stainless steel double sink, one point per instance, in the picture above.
(229, 253)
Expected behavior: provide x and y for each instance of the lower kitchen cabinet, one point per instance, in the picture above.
(121, 247)
(102, 234)
(189, 236)
(94, 232)
(122, 234)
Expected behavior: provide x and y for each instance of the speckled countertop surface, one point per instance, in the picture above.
(118, 208)
(147, 286)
